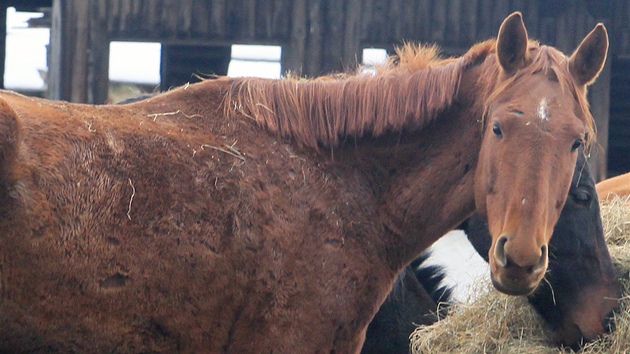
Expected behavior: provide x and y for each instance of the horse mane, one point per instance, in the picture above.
(405, 93)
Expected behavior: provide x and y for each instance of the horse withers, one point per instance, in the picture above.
(257, 215)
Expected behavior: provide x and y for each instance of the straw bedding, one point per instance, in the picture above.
(496, 323)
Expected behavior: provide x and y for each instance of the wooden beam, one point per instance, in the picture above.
(97, 60)
(66, 60)
(3, 42)
(352, 53)
(293, 51)
(79, 28)
(599, 98)
(79, 60)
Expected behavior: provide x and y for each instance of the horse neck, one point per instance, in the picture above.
(425, 179)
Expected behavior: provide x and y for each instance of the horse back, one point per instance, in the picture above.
(165, 225)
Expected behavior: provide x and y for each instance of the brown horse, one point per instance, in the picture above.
(253, 215)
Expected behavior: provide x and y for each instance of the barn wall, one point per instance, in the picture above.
(195, 21)
(334, 30)
(327, 35)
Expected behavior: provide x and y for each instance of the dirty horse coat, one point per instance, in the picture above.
(193, 222)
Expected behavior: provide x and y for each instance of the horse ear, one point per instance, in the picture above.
(590, 56)
(512, 43)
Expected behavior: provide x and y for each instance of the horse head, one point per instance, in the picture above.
(536, 118)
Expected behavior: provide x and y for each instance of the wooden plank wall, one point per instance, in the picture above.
(317, 36)
(320, 36)
(195, 21)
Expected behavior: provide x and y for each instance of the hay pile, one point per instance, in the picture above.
(497, 323)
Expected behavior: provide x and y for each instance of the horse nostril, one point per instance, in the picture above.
(543, 257)
(499, 252)
(609, 322)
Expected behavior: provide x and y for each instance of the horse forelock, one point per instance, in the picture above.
(409, 91)
(553, 62)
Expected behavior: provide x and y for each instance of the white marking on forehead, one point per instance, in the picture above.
(542, 110)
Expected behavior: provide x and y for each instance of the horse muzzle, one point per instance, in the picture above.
(590, 316)
(516, 274)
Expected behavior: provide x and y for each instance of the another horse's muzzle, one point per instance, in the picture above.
(591, 315)
(570, 335)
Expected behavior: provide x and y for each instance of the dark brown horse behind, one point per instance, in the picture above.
(250, 215)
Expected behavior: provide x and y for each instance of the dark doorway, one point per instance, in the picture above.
(619, 124)
(181, 64)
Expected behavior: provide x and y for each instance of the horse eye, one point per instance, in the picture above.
(496, 129)
(581, 196)
(576, 144)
